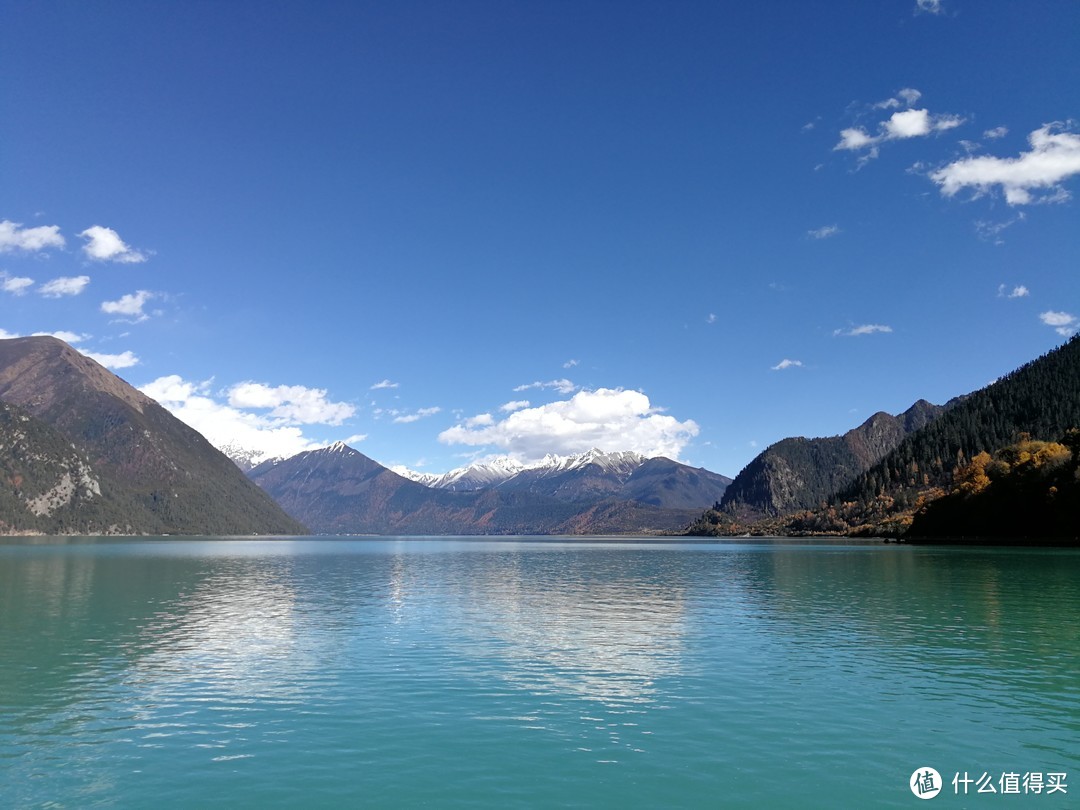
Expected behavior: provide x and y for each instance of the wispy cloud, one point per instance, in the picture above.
(786, 364)
(64, 286)
(383, 384)
(995, 133)
(928, 7)
(1019, 291)
(901, 125)
(864, 329)
(570, 363)
(1054, 158)
(563, 386)
(514, 405)
(1064, 323)
(16, 285)
(416, 416)
(711, 318)
(824, 232)
(607, 418)
(14, 237)
(105, 245)
(992, 231)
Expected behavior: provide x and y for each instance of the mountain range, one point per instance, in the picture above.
(83, 452)
(339, 490)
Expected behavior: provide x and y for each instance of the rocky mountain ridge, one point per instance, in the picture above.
(82, 451)
(799, 473)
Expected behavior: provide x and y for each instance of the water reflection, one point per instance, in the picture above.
(390, 657)
(603, 626)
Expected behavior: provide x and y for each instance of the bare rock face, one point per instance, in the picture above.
(800, 473)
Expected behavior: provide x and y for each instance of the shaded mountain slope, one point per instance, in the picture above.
(799, 473)
(155, 474)
(1041, 399)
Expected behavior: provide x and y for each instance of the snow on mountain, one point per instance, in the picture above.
(427, 479)
(617, 463)
(501, 469)
(244, 457)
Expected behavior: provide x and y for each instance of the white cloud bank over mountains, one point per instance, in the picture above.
(276, 433)
(608, 419)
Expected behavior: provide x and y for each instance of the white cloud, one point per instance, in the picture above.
(1064, 323)
(6, 335)
(1019, 291)
(16, 285)
(563, 386)
(383, 384)
(901, 125)
(68, 337)
(294, 404)
(854, 138)
(995, 133)
(608, 419)
(865, 329)
(711, 318)
(224, 425)
(1054, 157)
(824, 232)
(130, 305)
(15, 237)
(66, 285)
(570, 364)
(356, 438)
(514, 405)
(928, 7)
(114, 361)
(785, 363)
(416, 416)
(105, 245)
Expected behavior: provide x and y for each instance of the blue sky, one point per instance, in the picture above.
(447, 230)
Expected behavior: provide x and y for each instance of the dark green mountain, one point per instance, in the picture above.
(997, 465)
(84, 452)
(1040, 399)
(800, 473)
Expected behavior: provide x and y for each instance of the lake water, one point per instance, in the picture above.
(179, 673)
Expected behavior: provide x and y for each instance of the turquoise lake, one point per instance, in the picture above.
(470, 672)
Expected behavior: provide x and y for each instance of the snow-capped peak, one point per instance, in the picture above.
(495, 471)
